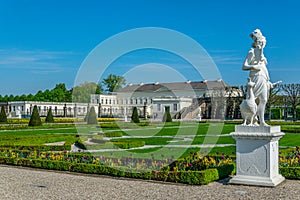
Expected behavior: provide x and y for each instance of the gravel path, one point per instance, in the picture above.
(25, 183)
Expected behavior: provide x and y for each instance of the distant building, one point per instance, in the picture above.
(186, 100)
(152, 99)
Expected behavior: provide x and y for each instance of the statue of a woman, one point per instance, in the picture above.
(256, 63)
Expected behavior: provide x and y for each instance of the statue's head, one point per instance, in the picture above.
(258, 39)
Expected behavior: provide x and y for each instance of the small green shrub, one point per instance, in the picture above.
(79, 143)
(290, 172)
(135, 116)
(35, 119)
(49, 117)
(97, 139)
(113, 134)
(3, 117)
(127, 144)
(110, 125)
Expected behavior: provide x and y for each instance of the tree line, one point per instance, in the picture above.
(80, 93)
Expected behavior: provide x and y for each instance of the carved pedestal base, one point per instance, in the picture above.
(257, 155)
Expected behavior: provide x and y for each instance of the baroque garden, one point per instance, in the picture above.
(143, 131)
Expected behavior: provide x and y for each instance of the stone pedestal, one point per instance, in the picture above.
(257, 155)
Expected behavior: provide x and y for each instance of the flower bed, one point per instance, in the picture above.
(121, 167)
(289, 162)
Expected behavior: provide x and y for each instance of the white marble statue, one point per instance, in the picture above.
(256, 63)
(248, 107)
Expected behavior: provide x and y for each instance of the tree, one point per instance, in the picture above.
(91, 116)
(114, 82)
(82, 93)
(99, 89)
(292, 96)
(167, 116)
(273, 99)
(49, 117)
(135, 115)
(35, 119)
(3, 117)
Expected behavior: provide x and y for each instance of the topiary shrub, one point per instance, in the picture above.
(35, 119)
(135, 116)
(49, 117)
(167, 116)
(3, 117)
(92, 117)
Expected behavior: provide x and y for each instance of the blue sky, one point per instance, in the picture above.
(44, 42)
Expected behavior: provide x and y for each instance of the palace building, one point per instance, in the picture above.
(186, 100)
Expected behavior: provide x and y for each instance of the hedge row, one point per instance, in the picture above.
(127, 144)
(189, 177)
(113, 134)
(290, 172)
(40, 148)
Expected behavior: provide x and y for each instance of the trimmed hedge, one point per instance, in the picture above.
(113, 134)
(290, 172)
(97, 139)
(189, 177)
(64, 147)
(127, 144)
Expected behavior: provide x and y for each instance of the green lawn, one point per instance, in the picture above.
(202, 133)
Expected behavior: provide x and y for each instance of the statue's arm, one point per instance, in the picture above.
(247, 65)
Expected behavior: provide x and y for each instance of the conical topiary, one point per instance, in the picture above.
(35, 119)
(92, 117)
(135, 116)
(167, 116)
(3, 117)
(49, 117)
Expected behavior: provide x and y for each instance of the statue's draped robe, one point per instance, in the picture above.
(260, 77)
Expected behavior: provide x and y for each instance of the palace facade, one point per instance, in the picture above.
(186, 100)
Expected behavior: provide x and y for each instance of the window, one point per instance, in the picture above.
(45, 108)
(136, 101)
(106, 102)
(158, 107)
(22, 108)
(175, 106)
(83, 109)
(97, 100)
(131, 101)
(110, 101)
(79, 109)
(101, 101)
(114, 101)
(141, 101)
